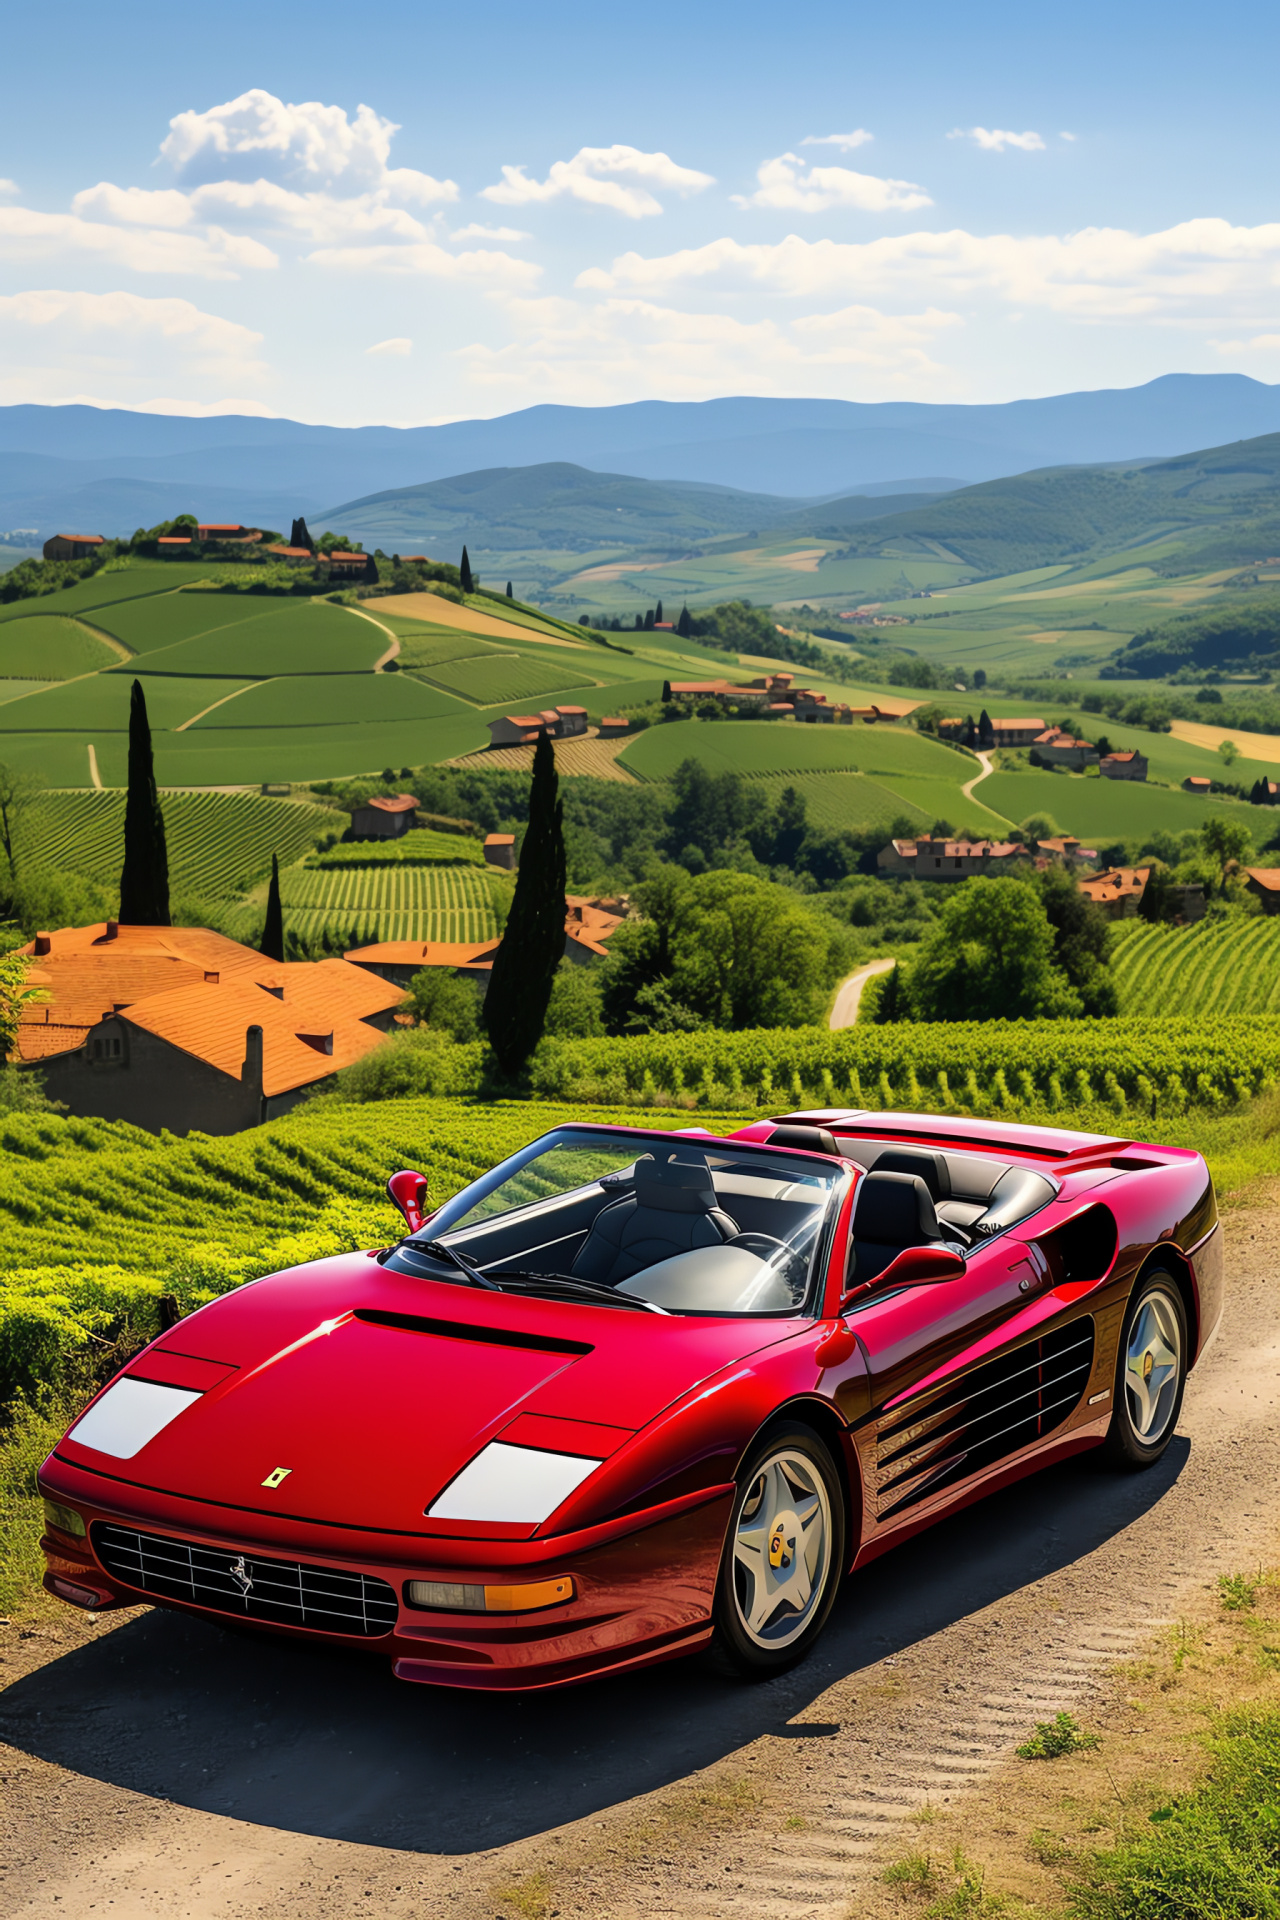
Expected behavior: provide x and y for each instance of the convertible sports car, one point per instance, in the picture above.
(634, 1394)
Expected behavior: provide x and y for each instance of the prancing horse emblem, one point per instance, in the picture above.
(242, 1577)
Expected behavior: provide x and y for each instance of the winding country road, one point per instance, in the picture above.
(159, 1768)
(844, 1010)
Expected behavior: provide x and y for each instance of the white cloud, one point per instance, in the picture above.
(396, 349)
(213, 255)
(563, 349)
(591, 176)
(1260, 343)
(8, 188)
(1066, 136)
(845, 141)
(311, 146)
(53, 339)
(785, 184)
(426, 258)
(996, 139)
(1200, 272)
(475, 231)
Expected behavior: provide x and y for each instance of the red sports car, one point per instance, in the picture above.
(634, 1394)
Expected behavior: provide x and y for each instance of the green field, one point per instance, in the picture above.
(404, 903)
(1096, 810)
(788, 746)
(420, 844)
(220, 844)
(503, 677)
(51, 647)
(245, 640)
(1212, 969)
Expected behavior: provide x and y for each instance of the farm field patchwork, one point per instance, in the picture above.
(496, 677)
(1211, 969)
(397, 903)
(328, 700)
(99, 704)
(293, 637)
(789, 746)
(1097, 810)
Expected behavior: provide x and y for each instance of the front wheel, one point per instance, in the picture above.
(1151, 1375)
(784, 1554)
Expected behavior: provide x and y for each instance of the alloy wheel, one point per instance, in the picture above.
(781, 1550)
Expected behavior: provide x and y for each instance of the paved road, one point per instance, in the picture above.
(161, 1769)
(845, 1009)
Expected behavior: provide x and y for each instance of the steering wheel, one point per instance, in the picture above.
(794, 1268)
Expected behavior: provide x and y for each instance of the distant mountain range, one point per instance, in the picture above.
(85, 469)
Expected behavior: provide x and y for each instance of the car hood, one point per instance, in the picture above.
(373, 1389)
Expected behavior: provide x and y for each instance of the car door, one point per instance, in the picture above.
(954, 1389)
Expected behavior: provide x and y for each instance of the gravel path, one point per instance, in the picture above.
(844, 1009)
(158, 1766)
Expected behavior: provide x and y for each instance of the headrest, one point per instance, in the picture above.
(895, 1210)
(676, 1182)
(804, 1139)
(932, 1168)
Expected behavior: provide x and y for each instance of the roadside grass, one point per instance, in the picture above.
(1167, 1809)
(30, 1436)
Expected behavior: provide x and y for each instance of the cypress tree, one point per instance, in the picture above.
(299, 537)
(510, 595)
(515, 1007)
(686, 625)
(144, 882)
(371, 571)
(464, 573)
(648, 621)
(273, 931)
(657, 614)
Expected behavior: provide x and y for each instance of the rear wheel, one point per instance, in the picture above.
(1151, 1375)
(784, 1554)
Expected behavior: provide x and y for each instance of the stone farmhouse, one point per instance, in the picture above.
(522, 729)
(1118, 890)
(1264, 884)
(72, 546)
(385, 819)
(587, 926)
(1123, 766)
(180, 1027)
(937, 859)
(1054, 748)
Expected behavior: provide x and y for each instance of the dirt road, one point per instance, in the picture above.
(160, 1767)
(844, 1010)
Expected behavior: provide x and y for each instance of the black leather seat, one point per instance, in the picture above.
(806, 1139)
(932, 1168)
(671, 1207)
(893, 1211)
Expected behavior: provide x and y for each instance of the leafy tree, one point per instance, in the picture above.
(991, 956)
(791, 828)
(14, 993)
(446, 1001)
(574, 1012)
(1040, 826)
(1228, 752)
(639, 622)
(748, 954)
(515, 1008)
(273, 930)
(465, 580)
(144, 881)
(1226, 840)
(684, 626)
(1081, 940)
(892, 1005)
(979, 677)
(1162, 896)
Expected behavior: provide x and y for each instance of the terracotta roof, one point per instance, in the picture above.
(85, 539)
(38, 1040)
(1197, 780)
(499, 839)
(1268, 878)
(425, 953)
(290, 553)
(1115, 882)
(184, 540)
(403, 803)
(211, 1022)
(1018, 726)
(1117, 759)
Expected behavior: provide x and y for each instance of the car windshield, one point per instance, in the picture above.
(640, 1220)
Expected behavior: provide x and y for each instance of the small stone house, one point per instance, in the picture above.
(385, 819)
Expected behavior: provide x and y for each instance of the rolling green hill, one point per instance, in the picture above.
(553, 505)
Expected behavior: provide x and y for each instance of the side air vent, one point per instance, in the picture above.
(1083, 1248)
(989, 1413)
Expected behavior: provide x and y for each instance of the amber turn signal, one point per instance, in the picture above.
(456, 1597)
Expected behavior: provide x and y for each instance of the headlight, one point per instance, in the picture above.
(455, 1597)
(515, 1485)
(128, 1415)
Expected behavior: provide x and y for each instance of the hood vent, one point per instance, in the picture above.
(459, 1330)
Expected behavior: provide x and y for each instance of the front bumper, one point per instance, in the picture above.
(644, 1586)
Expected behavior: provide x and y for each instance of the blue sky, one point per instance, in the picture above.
(422, 214)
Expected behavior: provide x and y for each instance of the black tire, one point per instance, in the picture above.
(1153, 1340)
(790, 1495)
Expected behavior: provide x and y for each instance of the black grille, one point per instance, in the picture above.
(989, 1413)
(327, 1599)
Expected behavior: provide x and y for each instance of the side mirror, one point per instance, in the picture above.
(914, 1267)
(409, 1192)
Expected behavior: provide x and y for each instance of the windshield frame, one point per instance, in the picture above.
(447, 1218)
